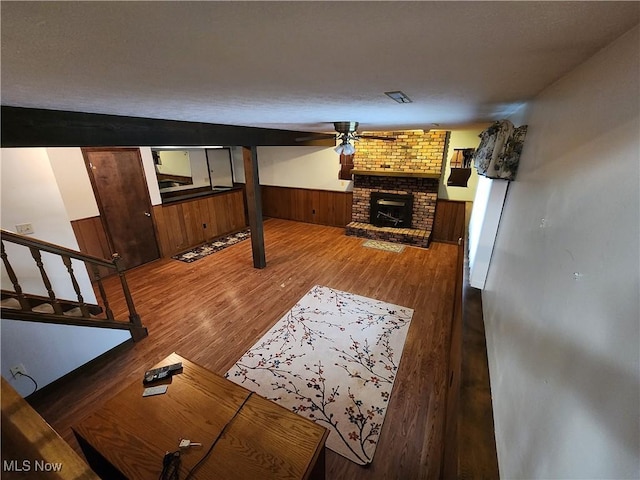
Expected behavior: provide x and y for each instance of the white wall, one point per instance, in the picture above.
(73, 182)
(564, 348)
(460, 139)
(318, 167)
(30, 195)
(300, 167)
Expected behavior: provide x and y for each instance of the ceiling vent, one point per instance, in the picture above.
(398, 96)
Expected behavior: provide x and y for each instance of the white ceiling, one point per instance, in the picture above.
(298, 65)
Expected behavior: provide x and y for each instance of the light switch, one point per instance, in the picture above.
(24, 229)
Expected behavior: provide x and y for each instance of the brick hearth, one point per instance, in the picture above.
(409, 236)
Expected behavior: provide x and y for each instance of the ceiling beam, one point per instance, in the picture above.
(33, 127)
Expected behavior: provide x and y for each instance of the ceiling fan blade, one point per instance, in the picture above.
(317, 136)
(376, 137)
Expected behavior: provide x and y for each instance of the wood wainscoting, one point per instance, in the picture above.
(183, 225)
(179, 226)
(92, 240)
(322, 207)
(449, 224)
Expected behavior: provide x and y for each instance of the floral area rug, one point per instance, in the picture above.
(332, 358)
(213, 247)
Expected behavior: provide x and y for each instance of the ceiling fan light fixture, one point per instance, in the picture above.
(345, 148)
(348, 149)
(398, 96)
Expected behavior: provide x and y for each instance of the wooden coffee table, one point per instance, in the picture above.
(254, 437)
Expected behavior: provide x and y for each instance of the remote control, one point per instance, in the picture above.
(156, 374)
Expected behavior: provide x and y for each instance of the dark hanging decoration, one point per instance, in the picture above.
(460, 167)
(346, 165)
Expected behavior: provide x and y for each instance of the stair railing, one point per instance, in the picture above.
(25, 312)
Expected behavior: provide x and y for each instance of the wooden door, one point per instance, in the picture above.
(123, 199)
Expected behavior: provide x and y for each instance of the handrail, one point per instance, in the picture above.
(27, 313)
(52, 248)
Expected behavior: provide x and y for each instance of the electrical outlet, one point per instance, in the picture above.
(24, 229)
(18, 369)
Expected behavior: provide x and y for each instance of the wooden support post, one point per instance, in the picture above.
(254, 205)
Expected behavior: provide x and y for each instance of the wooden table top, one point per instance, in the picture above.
(260, 439)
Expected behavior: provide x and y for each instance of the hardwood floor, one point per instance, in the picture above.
(211, 311)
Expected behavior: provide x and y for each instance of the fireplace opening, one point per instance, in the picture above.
(391, 210)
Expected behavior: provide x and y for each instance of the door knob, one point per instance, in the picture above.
(147, 214)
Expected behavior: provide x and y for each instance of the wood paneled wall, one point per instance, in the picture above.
(183, 225)
(334, 209)
(179, 226)
(449, 224)
(92, 240)
(91, 237)
(322, 207)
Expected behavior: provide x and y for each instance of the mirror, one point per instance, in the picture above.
(192, 171)
(173, 169)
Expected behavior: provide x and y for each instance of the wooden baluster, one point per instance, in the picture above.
(35, 253)
(139, 332)
(103, 294)
(83, 307)
(24, 303)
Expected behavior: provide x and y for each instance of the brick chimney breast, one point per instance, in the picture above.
(414, 153)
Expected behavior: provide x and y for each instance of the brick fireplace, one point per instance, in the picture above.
(410, 167)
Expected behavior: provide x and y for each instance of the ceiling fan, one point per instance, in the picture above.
(346, 132)
(350, 129)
